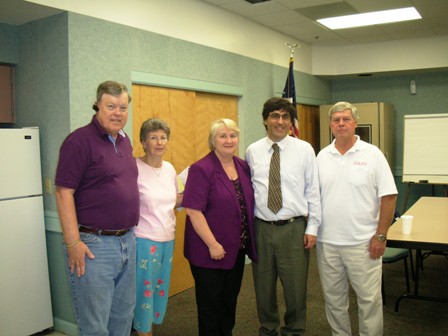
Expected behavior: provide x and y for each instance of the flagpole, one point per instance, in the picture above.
(289, 91)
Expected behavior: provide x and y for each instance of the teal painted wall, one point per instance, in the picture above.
(431, 97)
(9, 52)
(42, 87)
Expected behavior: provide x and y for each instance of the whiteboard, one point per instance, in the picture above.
(425, 152)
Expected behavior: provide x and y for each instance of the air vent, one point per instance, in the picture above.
(253, 2)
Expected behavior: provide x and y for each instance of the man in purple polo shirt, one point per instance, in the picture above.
(98, 205)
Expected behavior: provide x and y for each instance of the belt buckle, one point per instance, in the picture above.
(275, 223)
(119, 232)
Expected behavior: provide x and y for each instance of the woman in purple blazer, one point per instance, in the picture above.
(219, 202)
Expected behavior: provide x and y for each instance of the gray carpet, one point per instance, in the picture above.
(415, 317)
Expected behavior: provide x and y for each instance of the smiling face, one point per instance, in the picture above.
(113, 112)
(278, 124)
(155, 143)
(225, 142)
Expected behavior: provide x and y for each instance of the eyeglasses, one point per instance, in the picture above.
(277, 116)
(156, 139)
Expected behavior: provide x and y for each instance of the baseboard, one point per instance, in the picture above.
(65, 327)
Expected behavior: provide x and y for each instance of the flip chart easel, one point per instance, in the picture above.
(425, 151)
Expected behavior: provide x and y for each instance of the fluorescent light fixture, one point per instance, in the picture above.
(373, 18)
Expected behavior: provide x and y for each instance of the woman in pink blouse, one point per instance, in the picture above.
(157, 183)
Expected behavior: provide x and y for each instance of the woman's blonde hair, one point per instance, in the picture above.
(216, 125)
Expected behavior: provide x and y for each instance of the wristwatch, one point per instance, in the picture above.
(381, 237)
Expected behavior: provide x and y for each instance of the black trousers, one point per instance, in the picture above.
(216, 297)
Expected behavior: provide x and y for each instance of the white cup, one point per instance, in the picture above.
(406, 220)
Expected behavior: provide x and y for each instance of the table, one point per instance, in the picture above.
(429, 232)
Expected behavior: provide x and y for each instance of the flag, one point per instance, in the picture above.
(289, 92)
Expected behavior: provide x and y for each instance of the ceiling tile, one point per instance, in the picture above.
(296, 4)
(326, 11)
(378, 5)
(280, 18)
(246, 9)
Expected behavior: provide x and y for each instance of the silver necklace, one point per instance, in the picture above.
(157, 171)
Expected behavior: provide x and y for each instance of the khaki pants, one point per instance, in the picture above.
(337, 266)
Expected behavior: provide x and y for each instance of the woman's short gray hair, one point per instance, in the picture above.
(152, 125)
(216, 125)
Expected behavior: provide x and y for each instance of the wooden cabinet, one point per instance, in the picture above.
(376, 125)
(6, 94)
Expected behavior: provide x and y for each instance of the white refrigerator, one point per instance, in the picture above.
(25, 303)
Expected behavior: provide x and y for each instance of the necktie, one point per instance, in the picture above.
(275, 202)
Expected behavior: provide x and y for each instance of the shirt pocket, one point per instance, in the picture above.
(358, 175)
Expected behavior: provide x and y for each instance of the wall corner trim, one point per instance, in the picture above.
(184, 83)
(52, 221)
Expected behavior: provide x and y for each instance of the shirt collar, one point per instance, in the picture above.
(102, 130)
(358, 145)
(281, 144)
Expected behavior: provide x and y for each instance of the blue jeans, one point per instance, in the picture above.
(104, 297)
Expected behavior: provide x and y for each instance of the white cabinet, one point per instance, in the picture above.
(376, 125)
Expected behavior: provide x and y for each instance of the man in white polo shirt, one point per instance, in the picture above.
(358, 195)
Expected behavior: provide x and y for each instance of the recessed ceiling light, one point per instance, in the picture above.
(373, 18)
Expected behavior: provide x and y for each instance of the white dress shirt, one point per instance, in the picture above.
(299, 180)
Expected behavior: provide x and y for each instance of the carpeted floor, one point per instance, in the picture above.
(415, 317)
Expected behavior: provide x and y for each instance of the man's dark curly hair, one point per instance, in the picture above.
(279, 104)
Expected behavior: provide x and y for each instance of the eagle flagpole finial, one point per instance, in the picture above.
(292, 47)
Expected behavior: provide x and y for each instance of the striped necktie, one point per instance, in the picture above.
(275, 201)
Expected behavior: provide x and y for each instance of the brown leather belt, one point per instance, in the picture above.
(100, 232)
(281, 221)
